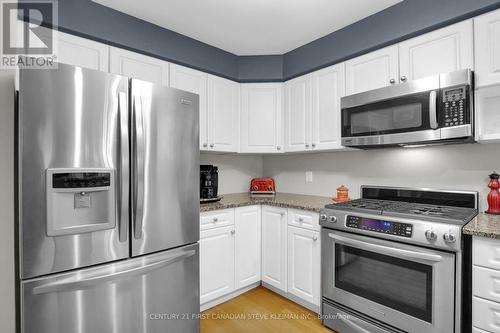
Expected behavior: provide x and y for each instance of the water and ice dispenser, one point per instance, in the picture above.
(79, 200)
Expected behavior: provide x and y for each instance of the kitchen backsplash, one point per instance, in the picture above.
(235, 171)
(455, 167)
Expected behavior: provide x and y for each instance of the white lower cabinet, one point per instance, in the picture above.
(247, 245)
(304, 264)
(486, 285)
(274, 247)
(216, 263)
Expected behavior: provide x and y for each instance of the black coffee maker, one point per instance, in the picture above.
(209, 176)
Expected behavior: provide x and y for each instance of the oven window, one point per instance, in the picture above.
(387, 119)
(402, 285)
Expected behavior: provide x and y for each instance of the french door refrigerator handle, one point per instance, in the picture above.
(79, 283)
(433, 109)
(138, 174)
(402, 253)
(124, 167)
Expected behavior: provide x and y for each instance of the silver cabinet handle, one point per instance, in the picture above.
(403, 78)
(211, 145)
(215, 219)
(282, 214)
(205, 145)
(307, 145)
(233, 232)
(278, 148)
(315, 238)
(392, 81)
(432, 109)
(301, 219)
(313, 145)
(78, 283)
(138, 172)
(391, 251)
(123, 167)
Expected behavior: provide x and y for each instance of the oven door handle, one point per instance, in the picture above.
(394, 252)
(433, 109)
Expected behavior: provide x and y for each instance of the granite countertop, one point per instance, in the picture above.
(287, 200)
(484, 225)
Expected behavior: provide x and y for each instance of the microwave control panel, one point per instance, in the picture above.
(385, 227)
(455, 106)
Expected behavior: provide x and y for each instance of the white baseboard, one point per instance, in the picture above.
(293, 298)
(225, 298)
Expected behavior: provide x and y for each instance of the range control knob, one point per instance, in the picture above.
(449, 238)
(322, 217)
(430, 235)
(332, 219)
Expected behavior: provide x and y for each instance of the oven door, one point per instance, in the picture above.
(408, 287)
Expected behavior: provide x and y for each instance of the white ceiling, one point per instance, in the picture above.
(251, 27)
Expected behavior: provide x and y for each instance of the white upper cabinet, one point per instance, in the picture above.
(328, 87)
(138, 66)
(247, 245)
(196, 82)
(223, 114)
(298, 114)
(441, 51)
(261, 118)
(78, 51)
(274, 247)
(373, 70)
(487, 47)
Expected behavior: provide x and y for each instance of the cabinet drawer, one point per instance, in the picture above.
(486, 283)
(303, 219)
(486, 252)
(485, 314)
(215, 219)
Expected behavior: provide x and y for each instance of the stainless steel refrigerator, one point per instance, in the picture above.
(108, 204)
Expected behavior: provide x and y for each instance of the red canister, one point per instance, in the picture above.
(494, 195)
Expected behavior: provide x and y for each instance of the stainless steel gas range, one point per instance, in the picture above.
(396, 261)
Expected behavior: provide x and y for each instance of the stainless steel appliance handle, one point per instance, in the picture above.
(138, 174)
(124, 167)
(432, 109)
(81, 283)
(395, 252)
(353, 325)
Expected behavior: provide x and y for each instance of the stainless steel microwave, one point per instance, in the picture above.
(436, 109)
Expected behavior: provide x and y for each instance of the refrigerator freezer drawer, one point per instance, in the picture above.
(153, 294)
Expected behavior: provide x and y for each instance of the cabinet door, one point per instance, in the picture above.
(328, 88)
(487, 46)
(216, 263)
(441, 51)
(196, 82)
(298, 114)
(488, 113)
(274, 246)
(223, 114)
(138, 66)
(304, 264)
(247, 245)
(78, 51)
(373, 70)
(261, 118)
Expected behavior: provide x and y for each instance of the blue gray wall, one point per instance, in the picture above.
(404, 20)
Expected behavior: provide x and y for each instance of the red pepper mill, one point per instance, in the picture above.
(494, 195)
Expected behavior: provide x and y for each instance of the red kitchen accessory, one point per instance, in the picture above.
(342, 194)
(262, 186)
(494, 195)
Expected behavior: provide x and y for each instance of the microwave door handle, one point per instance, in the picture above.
(433, 109)
(395, 252)
(138, 174)
(124, 167)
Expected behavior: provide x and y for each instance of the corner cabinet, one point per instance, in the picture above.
(138, 66)
(261, 118)
(373, 70)
(440, 51)
(223, 114)
(274, 247)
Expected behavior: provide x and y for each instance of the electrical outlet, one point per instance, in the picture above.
(309, 176)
